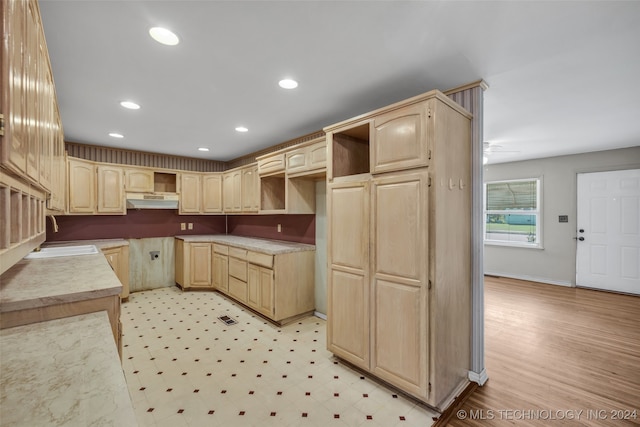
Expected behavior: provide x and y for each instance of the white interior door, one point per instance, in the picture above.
(608, 220)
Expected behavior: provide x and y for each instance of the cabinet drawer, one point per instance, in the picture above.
(238, 253)
(221, 249)
(238, 268)
(237, 288)
(258, 258)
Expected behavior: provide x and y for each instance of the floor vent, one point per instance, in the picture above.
(227, 320)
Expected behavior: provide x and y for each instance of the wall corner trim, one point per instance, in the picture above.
(479, 377)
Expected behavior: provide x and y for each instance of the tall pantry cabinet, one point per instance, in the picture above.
(399, 245)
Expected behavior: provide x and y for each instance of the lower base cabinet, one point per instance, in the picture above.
(260, 283)
(278, 286)
(118, 259)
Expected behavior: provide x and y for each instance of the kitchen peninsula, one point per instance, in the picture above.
(272, 277)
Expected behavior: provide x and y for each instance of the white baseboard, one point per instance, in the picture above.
(531, 278)
(479, 378)
(320, 315)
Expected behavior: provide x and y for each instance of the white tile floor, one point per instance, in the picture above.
(185, 367)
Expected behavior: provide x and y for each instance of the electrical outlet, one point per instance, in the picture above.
(183, 226)
(190, 226)
(279, 228)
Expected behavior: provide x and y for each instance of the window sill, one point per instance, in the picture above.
(514, 244)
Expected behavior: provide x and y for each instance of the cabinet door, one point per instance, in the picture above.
(399, 346)
(266, 292)
(15, 143)
(227, 192)
(118, 259)
(139, 180)
(236, 178)
(348, 276)
(220, 273)
(190, 192)
(82, 187)
(212, 193)
(250, 189)
(110, 190)
(200, 264)
(400, 140)
(317, 156)
(271, 164)
(31, 64)
(253, 286)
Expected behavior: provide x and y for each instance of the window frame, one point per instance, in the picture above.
(538, 244)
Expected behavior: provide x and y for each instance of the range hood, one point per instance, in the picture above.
(152, 201)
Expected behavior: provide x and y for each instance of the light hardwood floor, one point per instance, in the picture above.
(553, 351)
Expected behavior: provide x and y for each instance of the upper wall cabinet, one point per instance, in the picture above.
(395, 138)
(190, 193)
(287, 177)
(95, 188)
(31, 158)
(138, 180)
(200, 193)
(271, 163)
(212, 193)
(399, 139)
(308, 159)
(250, 189)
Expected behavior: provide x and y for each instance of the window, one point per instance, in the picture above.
(512, 213)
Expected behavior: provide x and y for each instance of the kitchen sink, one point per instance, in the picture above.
(61, 251)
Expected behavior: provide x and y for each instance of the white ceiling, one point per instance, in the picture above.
(562, 76)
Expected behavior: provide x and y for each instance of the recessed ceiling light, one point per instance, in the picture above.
(288, 84)
(130, 105)
(203, 149)
(242, 129)
(116, 135)
(164, 36)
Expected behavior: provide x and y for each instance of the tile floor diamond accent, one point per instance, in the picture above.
(251, 374)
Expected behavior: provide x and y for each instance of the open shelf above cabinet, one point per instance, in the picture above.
(350, 150)
(272, 193)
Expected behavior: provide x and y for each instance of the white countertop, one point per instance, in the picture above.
(34, 283)
(271, 247)
(63, 372)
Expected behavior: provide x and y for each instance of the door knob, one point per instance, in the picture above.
(581, 230)
(581, 239)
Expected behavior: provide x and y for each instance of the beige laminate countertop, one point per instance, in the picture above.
(271, 247)
(63, 372)
(34, 283)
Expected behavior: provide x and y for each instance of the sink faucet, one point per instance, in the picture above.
(54, 222)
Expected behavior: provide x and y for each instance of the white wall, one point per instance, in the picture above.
(321, 247)
(556, 263)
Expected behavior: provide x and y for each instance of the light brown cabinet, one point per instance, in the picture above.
(399, 139)
(287, 178)
(110, 195)
(190, 193)
(212, 193)
(280, 286)
(308, 159)
(95, 189)
(118, 259)
(232, 191)
(220, 268)
(139, 180)
(201, 193)
(399, 244)
(260, 285)
(250, 192)
(82, 186)
(193, 264)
